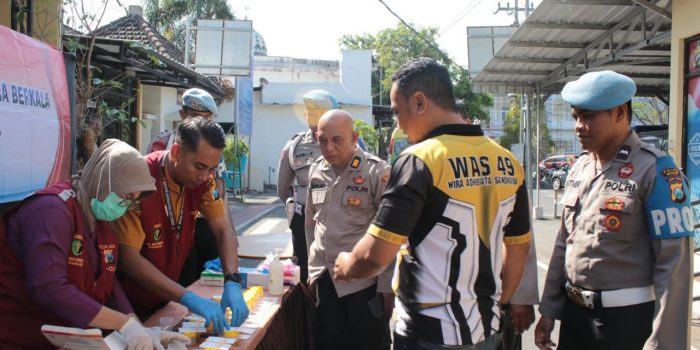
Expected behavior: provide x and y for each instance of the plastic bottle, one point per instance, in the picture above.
(276, 283)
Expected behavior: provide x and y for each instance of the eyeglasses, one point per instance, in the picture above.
(130, 201)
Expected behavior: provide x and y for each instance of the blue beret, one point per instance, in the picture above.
(598, 91)
(320, 99)
(199, 100)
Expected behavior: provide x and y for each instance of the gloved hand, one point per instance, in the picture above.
(161, 337)
(233, 298)
(208, 309)
(136, 336)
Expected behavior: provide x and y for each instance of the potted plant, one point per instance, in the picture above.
(233, 155)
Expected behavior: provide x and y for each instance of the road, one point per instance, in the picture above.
(544, 230)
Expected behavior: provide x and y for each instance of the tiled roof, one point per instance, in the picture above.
(134, 27)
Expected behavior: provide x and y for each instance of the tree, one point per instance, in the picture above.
(392, 47)
(511, 130)
(170, 16)
(93, 112)
(368, 134)
(650, 111)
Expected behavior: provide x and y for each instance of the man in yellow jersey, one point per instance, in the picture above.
(456, 209)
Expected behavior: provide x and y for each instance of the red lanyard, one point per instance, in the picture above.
(168, 202)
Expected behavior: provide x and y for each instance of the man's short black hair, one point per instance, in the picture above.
(429, 77)
(194, 129)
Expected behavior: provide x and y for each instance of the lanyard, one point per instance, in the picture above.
(168, 202)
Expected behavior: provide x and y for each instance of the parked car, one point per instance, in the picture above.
(655, 135)
(556, 162)
(558, 177)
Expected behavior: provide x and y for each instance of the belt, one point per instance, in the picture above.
(299, 208)
(609, 298)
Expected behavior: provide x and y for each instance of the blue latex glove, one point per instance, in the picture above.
(207, 309)
(233, 298)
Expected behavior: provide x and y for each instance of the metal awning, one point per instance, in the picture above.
(562, 39)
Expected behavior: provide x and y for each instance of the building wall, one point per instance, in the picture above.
(685, 25)
(278, 110)
(46, 23)
(161, 103)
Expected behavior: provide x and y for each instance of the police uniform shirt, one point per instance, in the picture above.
(340, 209)
(625, 227)
(293, 168)
(452, 201)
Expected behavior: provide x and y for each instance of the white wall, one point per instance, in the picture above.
(162, 103)
(278, 110)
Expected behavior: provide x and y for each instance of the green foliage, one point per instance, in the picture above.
(368, 134)
(650, 111)
(231, 154)
(393, 47)
(511, 130)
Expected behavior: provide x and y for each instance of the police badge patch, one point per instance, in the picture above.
(624, 152)
(355, 163)
(612, 222)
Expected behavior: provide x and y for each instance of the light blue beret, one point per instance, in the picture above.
(598, 91)
(199, 100)
(320, 99)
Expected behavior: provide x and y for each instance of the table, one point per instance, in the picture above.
(288, 326)
(257, 246)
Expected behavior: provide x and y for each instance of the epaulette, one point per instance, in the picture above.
(319, 159)
(372, 157)
(653, 150)
(299, 134)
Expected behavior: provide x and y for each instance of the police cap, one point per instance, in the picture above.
(599, 91)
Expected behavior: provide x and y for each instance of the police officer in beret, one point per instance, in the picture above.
(293, 171)
(620, 273)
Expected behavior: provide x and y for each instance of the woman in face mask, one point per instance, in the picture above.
(58, 255)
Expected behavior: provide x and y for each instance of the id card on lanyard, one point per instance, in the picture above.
(177, 227)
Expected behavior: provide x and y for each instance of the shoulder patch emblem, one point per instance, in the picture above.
(385, 179)
(109, 256)
(76, 247)
(624, 152)
(675, 181)
(359, 180)
(614, 204)
(355, 163)
(626, 171)
(612, 222)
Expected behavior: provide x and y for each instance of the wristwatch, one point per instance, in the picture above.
(233, 276)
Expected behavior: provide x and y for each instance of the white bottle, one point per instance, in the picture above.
(276, 282)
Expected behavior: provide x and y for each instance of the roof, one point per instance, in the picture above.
(135, 28)
(563, 39)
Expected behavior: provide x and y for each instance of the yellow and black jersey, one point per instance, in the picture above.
(452, 201)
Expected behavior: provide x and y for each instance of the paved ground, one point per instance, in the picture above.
(262, 213)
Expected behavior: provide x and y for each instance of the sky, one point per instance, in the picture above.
(311, 28)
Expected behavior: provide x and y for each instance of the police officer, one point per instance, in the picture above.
(345, 188)
(293, 171)
(624, 246)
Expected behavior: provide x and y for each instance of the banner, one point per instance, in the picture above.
(692, 163)
(35, 121)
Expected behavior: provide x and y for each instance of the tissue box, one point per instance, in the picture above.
(212, 278)
(253, 277)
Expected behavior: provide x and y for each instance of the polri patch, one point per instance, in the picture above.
(355, 163)
(612, 222)
(385, 179)
(109, 256)
(624, 152)
(626, 171)
(614, 204)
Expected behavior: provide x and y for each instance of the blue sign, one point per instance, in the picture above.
(244, 105)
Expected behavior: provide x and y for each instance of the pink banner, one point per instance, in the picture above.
(35, 132)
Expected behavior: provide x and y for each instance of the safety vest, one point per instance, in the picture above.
(20, 318)
(162, 246)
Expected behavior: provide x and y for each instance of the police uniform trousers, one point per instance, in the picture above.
(204, 248)
(347, 323)
(612, 328)
(299, 244)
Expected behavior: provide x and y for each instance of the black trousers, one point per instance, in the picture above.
(299, 245)
(347, 322)
(613, 328)
(203, 250)
(493, 342)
